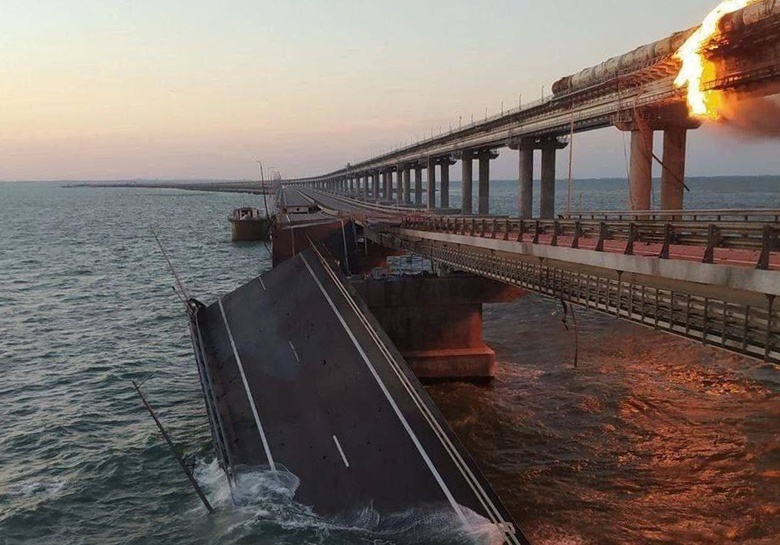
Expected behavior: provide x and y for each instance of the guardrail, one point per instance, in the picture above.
(763, 238)
(686, 309)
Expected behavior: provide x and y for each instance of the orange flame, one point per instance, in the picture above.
(695, 65)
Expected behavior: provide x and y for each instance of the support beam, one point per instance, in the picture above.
(431, 183)
(547, 205)
(484, 183)
(526, 179)
(399, 184)
(673, 176)
(640, 177)
(445, 183)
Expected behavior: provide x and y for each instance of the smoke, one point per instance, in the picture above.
(756, 117)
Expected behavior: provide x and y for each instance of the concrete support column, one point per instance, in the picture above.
(407, 186)
(466, 183)
(673, 176)
(399, 184)
(389, 185)
(484, 183)
(547, 206)
(526, 180)
(640, 176)
(445, 183)
(431, 183)
(418, 185)
(375, 185)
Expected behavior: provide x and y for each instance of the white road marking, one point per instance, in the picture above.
(295, 352)
(262, 283)
(386, 392)
(474, 483)
(341, 450)
(248, 390)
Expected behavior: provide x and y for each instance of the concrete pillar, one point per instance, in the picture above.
(673, 176)
(389, 186)
(466, 183)
(431, 183)
(547, 206)
(526, 180)
(399, 184)
(375, 185)
(445, 183)
(383, 189)
(640, 176)
(418, 185)
(407, 189)
(484, 183)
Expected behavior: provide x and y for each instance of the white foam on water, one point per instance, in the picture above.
(43, 490)
(261, 497)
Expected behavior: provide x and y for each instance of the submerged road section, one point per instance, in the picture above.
(298, 376)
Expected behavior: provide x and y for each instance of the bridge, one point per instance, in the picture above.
(311, 370)
(634, 92)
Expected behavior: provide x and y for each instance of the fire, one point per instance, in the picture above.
(695, 65)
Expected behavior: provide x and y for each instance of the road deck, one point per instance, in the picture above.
(303, 378)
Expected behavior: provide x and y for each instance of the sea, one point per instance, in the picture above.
(652, 439)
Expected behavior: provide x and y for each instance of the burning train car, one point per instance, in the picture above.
(638, 59)
(750, 15)
(659, 52)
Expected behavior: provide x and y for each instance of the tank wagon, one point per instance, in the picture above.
(750, 15)
(639, 58)
(660, 51)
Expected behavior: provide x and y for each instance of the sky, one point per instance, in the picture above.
(196, 89)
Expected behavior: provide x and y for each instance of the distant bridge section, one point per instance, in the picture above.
(634, 92)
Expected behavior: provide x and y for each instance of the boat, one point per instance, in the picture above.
(249, 224)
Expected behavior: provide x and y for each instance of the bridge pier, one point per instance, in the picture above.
(431, 183)
(467, 183)
(673, 176)
(484, 157)
(436, 322)
(526, 179)
(407, 198)
(640, 176)
(399, 184)
(484, 184)
(445, 183)
(547, 200)
(418, 185)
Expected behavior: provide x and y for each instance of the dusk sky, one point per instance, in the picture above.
(95, 89)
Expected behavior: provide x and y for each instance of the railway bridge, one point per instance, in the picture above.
(634, 92)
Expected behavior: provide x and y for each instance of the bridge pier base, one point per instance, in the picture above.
(436, 322)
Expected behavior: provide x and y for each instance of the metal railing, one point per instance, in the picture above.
(761, 238)
(714, 317)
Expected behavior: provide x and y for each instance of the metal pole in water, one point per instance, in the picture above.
(171, 446)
